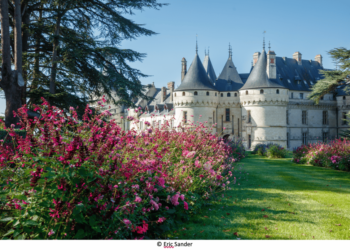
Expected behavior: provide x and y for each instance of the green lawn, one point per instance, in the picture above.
(298, 202)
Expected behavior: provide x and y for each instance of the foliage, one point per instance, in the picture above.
(335, 154)
(237, 146)
(87, 37)
(4, 135)
(271, 150)
(276, 151)
(71, 179)
(333, 79)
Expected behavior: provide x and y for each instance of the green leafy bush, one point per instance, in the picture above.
(276, 151)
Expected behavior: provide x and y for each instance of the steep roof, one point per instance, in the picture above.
(196, 78)
(258, 77)
(229, 79)
(296, 76)
(209, 69)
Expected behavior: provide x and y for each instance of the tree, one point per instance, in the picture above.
(71, 50)
(335, 78)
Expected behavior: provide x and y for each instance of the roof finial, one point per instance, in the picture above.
(269, 46)
(264, 40)
(196, 44)
(208, 51)
(229, 50)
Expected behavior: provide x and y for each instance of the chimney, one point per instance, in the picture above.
(271, 64)
(318, 59)
(163, 94)
(297, 57)
(171, 86)
(255, 57)
(184, 68)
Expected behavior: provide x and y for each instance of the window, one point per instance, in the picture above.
(344, 98)
(228, 94)
(195, 93)
(233, 130)
(292, 95)
(227, 115)
(324, 136)
(216, 94)
(222, 95)
(213, 117)
(287, 140)
(246, 92)
(322, 98)
(238, 126)
(184, 116)
(303, 117)
(261, 91)
(277, 91)
(222, 123)
(175, 94)
(324, 117)
(344, 122)
(249, 141)
(183, 93)
(207, 92)
(235, 94)
(287, 117)
(301, 96)
(304, 138)
(249, 117)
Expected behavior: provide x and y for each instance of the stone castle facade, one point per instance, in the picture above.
(268, 105)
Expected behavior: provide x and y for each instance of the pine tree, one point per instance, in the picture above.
(333, 79)
(71, 50)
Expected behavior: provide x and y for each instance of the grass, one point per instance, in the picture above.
(298, 202)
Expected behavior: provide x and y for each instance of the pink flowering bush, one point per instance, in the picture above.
(335, 154)
(89, 179)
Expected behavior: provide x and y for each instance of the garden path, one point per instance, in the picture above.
(276, 199)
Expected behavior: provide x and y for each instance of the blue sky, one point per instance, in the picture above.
(309, 26)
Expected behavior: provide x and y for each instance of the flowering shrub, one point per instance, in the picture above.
(335, 154)
(89, 179)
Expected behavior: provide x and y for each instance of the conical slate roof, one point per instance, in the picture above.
(258, 77)
(229, 79)
(196, 78)
(209, 69)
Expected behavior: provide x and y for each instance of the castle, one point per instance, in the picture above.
(268, 105)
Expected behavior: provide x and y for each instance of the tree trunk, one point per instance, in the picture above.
(10, 79)
(36, 73)
(54, 56)
(25, 46)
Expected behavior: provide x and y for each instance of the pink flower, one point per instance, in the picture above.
(161, 182)
(51, 232)
(175, 199)
(190, 155)
(162, 219)
(138, 199)
(182, 197)
(126, 221)
(185, 205)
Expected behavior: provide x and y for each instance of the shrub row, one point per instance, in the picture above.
(335, 154)
(71, 179)
(270, 150)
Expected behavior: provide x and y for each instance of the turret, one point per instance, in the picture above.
(271, 64)
(183, 68)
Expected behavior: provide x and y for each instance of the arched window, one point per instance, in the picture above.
(222, 94)
(228, 94)
(195, 93)
(261, 91)
(277, 91)
(246, 92)
(235, 94)
(207, 92)
(183, 93)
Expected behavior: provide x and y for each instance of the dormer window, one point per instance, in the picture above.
(277, 91)
(222, 95)
(228, 94)
(183, 93)
(235, 94)
(343, 97)
(216, 94)
(246, 92)
(261, 91)
(207, 92)
(195, 93)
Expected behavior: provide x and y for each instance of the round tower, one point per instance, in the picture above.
(264, 108)
(196, 98)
